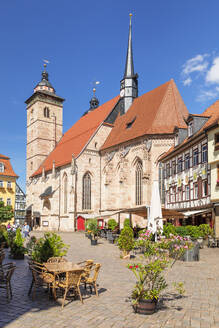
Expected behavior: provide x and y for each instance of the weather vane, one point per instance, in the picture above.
(94, 83)
(46, 62)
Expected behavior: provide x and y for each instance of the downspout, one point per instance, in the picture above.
(100, 185)
(75, 200)
(59, 197)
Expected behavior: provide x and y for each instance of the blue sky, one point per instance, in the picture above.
(87, 40)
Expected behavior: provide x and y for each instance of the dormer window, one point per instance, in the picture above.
(176, 140)
(2, 168)
(190, 129)
(129, 124)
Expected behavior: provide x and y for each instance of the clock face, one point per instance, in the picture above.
(122, 93)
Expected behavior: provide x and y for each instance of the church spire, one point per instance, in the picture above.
(129, 66)
(44, 84)
(129, 83)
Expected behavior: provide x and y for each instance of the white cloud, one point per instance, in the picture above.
(208, 94)
(195, 64)
(212, 75)
(187, 81)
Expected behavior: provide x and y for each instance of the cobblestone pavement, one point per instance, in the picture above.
(198, 308)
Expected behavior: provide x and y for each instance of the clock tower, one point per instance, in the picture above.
(44, 123)
(129, 83)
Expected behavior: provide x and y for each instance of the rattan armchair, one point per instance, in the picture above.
(71, 280)
(56, 259)
(40, 278)
(91, 281)
(2, 256)
(6, 272)
(86, 265)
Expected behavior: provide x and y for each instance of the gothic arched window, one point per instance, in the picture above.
(86, 197)
(138, 183)
(46, 112)
(65, 194)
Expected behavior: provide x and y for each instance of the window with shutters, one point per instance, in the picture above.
(86, 197)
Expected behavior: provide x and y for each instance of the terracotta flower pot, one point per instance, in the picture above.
(145, 306)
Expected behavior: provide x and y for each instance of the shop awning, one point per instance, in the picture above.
(190, 213)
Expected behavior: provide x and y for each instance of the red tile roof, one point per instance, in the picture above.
(213, 113)
(76, 138)
(155, 112)
(8, 170)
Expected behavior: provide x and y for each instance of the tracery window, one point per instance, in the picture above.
(138, 183)
(65, 195)
(86, 197)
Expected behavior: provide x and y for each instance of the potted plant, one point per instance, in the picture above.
(126, 241)
(93, 230)
(50, 245)
(17, 249)
(150, 274)
(150, 283)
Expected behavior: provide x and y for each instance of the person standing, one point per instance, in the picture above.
(26, 230)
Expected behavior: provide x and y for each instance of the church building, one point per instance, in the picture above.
(104, 165)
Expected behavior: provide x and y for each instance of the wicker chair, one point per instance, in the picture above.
(2, 256)
(40, 278)
(86, 265)
(72, 280)
(56, 260)
(6, 272)
(91, 281)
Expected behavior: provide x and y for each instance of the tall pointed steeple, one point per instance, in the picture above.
(129, 66)
(129, 83)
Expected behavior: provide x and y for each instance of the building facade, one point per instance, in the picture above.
(103, 166)
(190, 170)
(7, 181)
(20, 205)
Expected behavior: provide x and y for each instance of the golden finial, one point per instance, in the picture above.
(44, 65)
(94, 90)
(130, 15)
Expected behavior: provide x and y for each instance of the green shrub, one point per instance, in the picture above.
(126, 223)
(205, 230)
(50, 245)
(169, 229)
(126, 240)
(112, 224)
(181, 231)
(17, 248)
(3, 236)
(193, 231)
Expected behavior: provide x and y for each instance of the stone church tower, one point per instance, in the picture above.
(44, 123)
(129, 83)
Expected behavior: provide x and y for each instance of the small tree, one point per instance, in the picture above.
(112, 224)
(126, 223)
(126, 240)
(6, 212)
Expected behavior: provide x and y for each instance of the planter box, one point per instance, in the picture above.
(191, 254)
(93, 242)
(145, 307)
(17, 257)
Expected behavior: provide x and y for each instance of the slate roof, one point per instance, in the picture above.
(76, 138)
(156, 112)
(8, 169)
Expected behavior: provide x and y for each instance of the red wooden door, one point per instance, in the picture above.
(80, 223)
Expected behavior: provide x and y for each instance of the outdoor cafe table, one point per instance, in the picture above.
(62, 267)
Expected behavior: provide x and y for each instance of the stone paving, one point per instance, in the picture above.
(199, 308)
